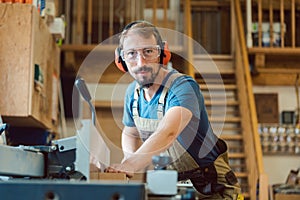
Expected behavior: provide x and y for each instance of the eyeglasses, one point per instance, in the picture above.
(149, 53)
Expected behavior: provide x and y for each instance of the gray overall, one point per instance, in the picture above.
(216, 181)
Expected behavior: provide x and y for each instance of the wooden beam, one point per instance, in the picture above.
(274, 51)
(275, 77)
(88, 47)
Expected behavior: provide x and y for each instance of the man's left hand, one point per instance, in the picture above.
(120, 168)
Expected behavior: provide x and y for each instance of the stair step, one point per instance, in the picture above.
(218, 95)
(241, 174)
(246, 194)
(236, 155)
(227, 129)
(215, 78)
(215, 112)
(227, 119)
(238, 166)
(217, 87)
(214, 64)
(222, 103)
(231, 137)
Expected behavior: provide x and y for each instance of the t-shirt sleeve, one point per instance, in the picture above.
(185, 92)
(128, 101)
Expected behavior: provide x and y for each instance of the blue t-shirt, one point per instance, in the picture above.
(197, 137)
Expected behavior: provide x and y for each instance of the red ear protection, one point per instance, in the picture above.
(120, 63)
(165, 57)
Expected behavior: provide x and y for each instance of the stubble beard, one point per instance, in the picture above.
(145, 82)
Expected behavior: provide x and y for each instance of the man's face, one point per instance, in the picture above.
(142, 58)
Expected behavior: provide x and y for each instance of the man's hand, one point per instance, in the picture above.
(120, 168)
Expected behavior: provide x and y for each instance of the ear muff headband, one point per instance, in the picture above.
(165, 55)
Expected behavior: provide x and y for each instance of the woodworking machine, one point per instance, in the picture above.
(60, 171)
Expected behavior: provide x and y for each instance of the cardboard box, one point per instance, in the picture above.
(108, 176)
(141, 177)
(29, 62)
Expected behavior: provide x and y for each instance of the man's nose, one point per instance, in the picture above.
(140, 59)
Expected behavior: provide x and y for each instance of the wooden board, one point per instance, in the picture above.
(25, 46)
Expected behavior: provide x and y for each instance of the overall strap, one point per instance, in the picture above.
(161, 101)
(135, 111)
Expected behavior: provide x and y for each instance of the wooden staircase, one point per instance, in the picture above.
(230, 102)
(220, 90)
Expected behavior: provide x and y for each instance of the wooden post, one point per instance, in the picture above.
(100, 22)
(89, 21)
(282, 22)
(249, 23)
(154, 9)
(165, 13)
(188, 32)
(293, 23)
(271, 22)
(68, 22)
(78, 26)
(259, 23)
(133, 10)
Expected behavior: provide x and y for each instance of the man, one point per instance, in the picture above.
(164, 112)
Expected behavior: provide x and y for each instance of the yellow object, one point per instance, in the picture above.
(240, 197)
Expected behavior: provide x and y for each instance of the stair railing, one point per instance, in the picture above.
(257, 175)
(276, 32)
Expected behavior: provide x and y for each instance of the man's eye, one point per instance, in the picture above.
(131, 53)
(148, 51)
